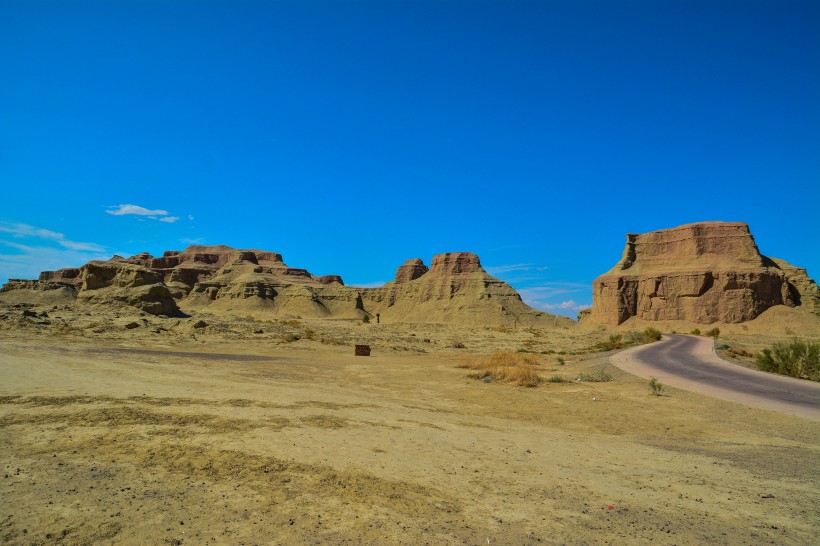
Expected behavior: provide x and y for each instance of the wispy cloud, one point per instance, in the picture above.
(557, 297)
(514, 268)
(20, 231)
(194, 241)
(122, 210)
(30, 260)
(143, 212)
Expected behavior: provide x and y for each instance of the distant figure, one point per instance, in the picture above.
(377, 318)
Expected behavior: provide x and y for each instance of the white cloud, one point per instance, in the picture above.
(20, 231)
(142, 213)
(194, 241)
(191, 217)
(121, 210)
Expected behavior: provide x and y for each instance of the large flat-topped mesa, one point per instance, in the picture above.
(705, 272)
(703, 245)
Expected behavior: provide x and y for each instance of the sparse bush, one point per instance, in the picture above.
(615, 341)
(507, 367)
(656, 386)
(366, 319)
(714, 332)
(651, 334)
(309, 333)
(555, 379)
(732, 351)
(599, 376)
(457, 344)
(695, 332)
(289, 338)
(799, 358)
(561, 361)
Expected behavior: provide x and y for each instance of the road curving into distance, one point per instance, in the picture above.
(690, 363)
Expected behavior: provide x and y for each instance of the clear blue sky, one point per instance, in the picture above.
(351, 136)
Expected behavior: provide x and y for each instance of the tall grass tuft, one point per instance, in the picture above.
(517, 368)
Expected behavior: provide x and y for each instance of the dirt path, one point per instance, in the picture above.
(689, 362)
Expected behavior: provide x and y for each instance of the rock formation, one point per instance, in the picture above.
(455, 289)
(704, 273)
(222, 279)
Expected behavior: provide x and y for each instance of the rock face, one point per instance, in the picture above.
(119, 283)
(703, 273)
(455, 289)
(222, 279)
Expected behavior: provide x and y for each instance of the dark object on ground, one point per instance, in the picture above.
(362, 350)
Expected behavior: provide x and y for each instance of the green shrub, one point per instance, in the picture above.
(561, 361)
(656, 386)
(799, 358)
(695, 332)
(615, 341)
(555, 379)
(651, 334)
(714, 332)
(366, 319)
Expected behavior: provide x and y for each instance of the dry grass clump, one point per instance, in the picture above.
(517, 368)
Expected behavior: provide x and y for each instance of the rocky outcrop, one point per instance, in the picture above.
(455, 289)
(41, 292)
(119, 283)
(222, 279)
(410, 271)
(70, 275)
(703, 273)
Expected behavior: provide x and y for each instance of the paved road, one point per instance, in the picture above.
(690, 363)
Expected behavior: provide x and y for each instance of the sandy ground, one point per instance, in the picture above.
(152, 441)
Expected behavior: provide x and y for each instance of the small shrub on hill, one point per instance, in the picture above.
(714, 332)
(695, 332)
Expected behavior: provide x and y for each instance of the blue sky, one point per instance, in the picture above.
(352, 136)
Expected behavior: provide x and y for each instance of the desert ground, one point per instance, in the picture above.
(111, 433)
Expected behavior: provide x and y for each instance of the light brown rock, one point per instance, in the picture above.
(703, 273)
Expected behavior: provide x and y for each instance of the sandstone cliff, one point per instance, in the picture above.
(221, 279)
(455, 289)
(704, 273)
